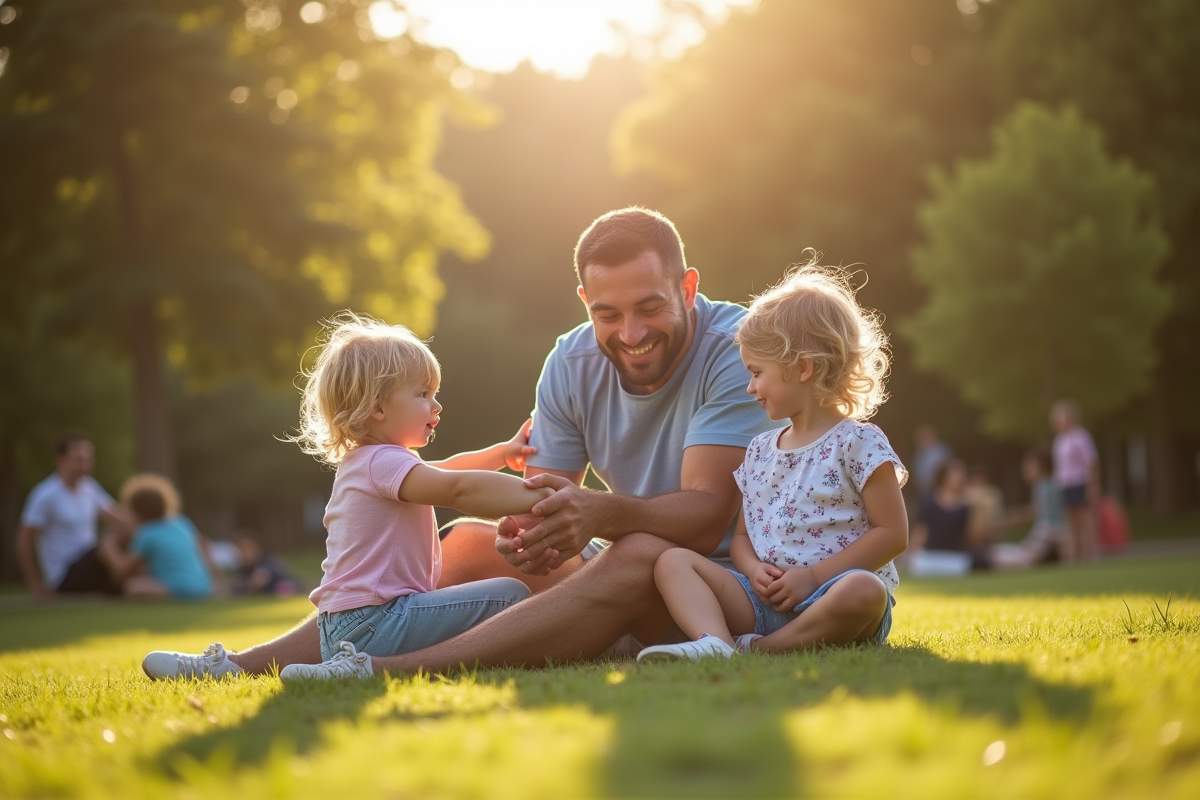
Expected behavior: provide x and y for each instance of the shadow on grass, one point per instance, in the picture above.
(1179, 576)
(290, 722)
(58, 624)
(702, 730)
(717, 730)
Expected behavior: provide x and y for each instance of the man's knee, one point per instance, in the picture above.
(469, 528)
(627, 568)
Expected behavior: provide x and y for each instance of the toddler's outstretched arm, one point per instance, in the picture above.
(511, 454)
(474, 492)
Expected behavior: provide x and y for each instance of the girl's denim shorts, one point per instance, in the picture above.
(767, 620)
(416, 621)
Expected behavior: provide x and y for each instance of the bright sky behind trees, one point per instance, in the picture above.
(558, 36)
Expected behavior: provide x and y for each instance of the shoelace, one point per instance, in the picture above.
(212, 655)
(344, 662)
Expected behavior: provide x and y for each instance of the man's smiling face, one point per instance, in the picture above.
(643, 321)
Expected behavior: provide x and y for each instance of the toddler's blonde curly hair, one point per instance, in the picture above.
(813, 313)
(361, 361)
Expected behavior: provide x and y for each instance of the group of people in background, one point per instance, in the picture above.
(959, 514)
(148, 547)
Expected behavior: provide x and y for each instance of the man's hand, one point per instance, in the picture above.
(568, 523)
(761, 578)
(792, 588)
(518, 447)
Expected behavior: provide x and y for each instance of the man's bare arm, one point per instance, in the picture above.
(695, 517)
(27, 559)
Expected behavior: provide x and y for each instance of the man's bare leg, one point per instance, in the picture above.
(300, 645)
(579, 618)
(469, 554)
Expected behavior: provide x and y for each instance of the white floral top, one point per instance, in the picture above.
(804, 505)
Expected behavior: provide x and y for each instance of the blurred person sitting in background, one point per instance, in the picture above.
(930, 455)
(1077, 475)
(166, 556)
(259, 572)
(940, 543)
(1047, 539)
(57, 541)
(985, 503)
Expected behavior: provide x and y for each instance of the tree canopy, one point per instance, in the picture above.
(1041, 263)
(207, 178)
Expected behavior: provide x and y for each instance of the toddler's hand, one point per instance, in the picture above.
(518, 447)
(762, 577)
(792, 588)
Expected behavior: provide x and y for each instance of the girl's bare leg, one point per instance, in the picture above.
(1083, 533)
(851, 611)
(703, 597)
(144, 586)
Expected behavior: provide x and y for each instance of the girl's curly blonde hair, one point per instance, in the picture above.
(150, 497)
(361, 361)
(813, 313)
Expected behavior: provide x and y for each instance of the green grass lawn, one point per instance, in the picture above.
(1033, 685)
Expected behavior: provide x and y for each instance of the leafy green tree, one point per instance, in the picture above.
(1041, 263)
(206, 178)
(1131, 69)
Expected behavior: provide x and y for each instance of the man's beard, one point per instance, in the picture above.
(668, 346)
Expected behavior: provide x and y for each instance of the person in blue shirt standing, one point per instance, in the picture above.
(166, 557)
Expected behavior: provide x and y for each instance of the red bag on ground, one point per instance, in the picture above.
(1112, 526)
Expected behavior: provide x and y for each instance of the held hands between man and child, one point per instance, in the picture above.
(540, 542)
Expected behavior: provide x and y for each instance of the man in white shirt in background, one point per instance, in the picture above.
(56, 542)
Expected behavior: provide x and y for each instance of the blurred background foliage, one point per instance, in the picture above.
(190, 185)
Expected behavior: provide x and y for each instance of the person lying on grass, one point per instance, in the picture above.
(368, 405)
(823, 516)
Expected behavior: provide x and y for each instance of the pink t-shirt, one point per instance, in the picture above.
(379, 547)
(1074, 456)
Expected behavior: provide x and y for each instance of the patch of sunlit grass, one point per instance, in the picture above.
(1077, 683)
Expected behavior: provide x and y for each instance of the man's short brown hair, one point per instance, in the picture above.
(68, 439)
(620, 236)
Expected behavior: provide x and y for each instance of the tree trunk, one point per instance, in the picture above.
(1163, 497)
(9, 516)
(152, 432)
(151, 426)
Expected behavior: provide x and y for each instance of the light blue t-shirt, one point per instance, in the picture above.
(171, 550)
(635, 443)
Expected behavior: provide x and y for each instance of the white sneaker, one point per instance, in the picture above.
(742, 643)
(213, 663)
(349, 663)
(704, 647)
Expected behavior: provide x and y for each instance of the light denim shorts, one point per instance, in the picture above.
(767, 620)
(416, 621)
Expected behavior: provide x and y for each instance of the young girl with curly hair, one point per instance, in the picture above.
(822, 515)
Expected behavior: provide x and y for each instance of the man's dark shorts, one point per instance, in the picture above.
(88, 574)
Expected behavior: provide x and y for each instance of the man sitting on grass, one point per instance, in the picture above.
(651, 393)
(56, 543)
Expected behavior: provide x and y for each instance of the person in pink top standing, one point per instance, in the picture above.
(368, 405)
(1077, 475)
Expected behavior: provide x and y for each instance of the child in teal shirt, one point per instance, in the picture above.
(165, 557)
